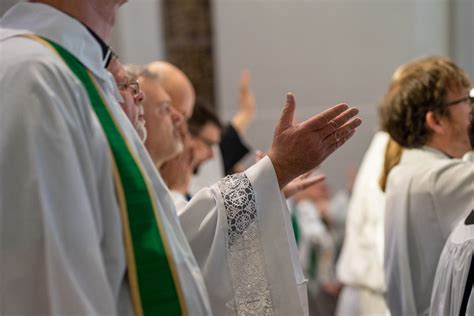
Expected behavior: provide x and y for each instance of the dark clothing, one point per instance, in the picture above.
(232, 148)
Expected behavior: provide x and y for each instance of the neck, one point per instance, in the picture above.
(445, 147)
(99, 16)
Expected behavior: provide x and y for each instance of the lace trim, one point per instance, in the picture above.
(245, 254)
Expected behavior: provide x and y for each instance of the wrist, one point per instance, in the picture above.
(240, 122)
(282, 176)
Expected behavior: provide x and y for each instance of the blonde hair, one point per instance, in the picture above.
(393, 154)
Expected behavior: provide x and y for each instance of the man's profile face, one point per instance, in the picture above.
(121, 79)
(162, 122)
(208, 137)
(132, 96)
(471, 131)
(459, 120)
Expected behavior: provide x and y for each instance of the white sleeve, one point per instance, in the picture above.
(179, 200)
(50, 235)
(241, 234)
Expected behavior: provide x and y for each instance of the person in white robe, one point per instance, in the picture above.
(360, 265)
(452, 290)
(317, 247)
(430, 190)
(62, 250)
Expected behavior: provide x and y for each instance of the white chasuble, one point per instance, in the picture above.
(61, 237)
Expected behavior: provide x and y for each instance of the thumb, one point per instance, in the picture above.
(288, 113)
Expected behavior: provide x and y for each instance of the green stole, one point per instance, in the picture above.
(153, 279)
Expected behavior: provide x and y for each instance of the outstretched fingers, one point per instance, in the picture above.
(338, 122)
(301, 183)
(342, 134)
(306, 183)
(322, 119)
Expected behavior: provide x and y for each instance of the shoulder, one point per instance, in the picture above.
(34, 78)
(453, 172)
(32, 60)
(433, 173)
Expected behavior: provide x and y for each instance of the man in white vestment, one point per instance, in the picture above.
(453, 285)
(431, 188)
(132, 96)
(61, 234)
(163, 121)
(360, 265)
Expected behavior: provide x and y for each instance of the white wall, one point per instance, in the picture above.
(138, 33)
(462, 34)
(325, 52)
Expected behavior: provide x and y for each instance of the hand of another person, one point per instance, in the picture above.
(298, 148)
(244, 117)
(299, 184)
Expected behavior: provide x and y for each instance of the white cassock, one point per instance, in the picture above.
(61, 248)
(451, 288)
(360, 265)
(427, 195)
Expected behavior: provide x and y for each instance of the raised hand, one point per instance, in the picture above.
(244, 117)
(298, 148)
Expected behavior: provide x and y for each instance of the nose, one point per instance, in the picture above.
(139, 97)
(210, 152)
(176, 116)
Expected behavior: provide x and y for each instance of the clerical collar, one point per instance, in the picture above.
(106, 51)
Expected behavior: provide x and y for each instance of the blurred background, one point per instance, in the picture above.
(325, 51)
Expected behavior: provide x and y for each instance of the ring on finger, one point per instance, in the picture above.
(333, 125)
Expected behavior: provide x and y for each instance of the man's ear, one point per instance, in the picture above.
(434, 122)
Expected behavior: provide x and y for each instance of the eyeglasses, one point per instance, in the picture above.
(468, 99)
(133, 85)
(206, 141)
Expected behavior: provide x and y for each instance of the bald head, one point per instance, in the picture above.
(177, 85)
